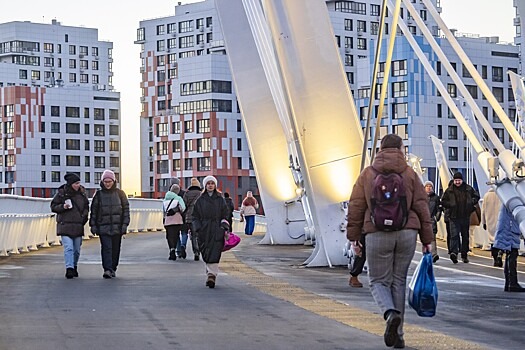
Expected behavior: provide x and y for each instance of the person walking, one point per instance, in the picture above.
(358, 264)
(109, 220)
(389, 253)
(229, 203)
(210, 224)
(190, 197)
(71, 205)
(507, 239)
(248, 210)
(173, 207)
(183, 237)
(489, 219)
(460, 199)
(434, 206)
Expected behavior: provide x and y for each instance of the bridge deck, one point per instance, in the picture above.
(263, 300)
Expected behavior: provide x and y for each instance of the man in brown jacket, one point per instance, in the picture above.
(389, 253)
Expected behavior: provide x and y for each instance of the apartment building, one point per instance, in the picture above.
(59, 112)
(191, 125)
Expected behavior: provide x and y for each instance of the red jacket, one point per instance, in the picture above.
(387, 161)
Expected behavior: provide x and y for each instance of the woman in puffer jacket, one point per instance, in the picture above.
(72, 208)
(507, 239)
(173, 206)
(109, 219)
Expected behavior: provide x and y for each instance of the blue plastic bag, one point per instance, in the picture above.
(423, 292)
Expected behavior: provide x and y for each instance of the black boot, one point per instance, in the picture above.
(70, 273)
(75, 273)
(497, 256)
(173, 256)
(506, 272)
(514, 286)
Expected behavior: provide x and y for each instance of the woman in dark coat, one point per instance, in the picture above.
(210, 223)
(109, 219)
(72, 208)
(434, 206)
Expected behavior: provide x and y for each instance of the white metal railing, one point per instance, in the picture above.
(27, 223)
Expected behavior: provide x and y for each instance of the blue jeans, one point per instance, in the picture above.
(71, 250)
(250, 224)
(182, 242)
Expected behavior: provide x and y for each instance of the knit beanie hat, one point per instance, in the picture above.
(195, 182)
(458, 175)
(208, 179)
(391, 141)
(71, 178)
(429, 183)
(175, 188)
(108, 174)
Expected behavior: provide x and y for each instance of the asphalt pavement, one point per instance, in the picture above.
(264, 299)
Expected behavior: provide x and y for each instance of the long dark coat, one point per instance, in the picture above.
(434, 206)
(208, 213)
(109, 211)
(70, 222)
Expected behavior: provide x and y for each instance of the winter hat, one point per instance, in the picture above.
(458, 175)
(175, 188)
(208, 179)
(108, 174)
(175, 181)
(71, 178)
(391, 141)
(429, 183)
(195, 182)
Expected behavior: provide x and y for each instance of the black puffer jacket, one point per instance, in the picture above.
(208, 213)
(460, 201)
(434, 206)
(190, 197)
(109, 211)
(70, 222)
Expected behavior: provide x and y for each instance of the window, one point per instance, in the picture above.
(55, 160)
(175, 128)
(188, 126)
(452, 132)
(73, 144)
(363, 93)
(185, 41)
(72, 112)
(114, 146)
(188, 164)
(203, 164)
(401, 130)
(55, 143)
(99, 130)
(400, 89)
(349, 42)
(87, 177)
(399, 110)
(498, 93)
(163, 167)
(399, 68)
(473, 90)
(361, 43)
(500, 133)
(72, 128)
(203, 145)
(42, 160)
(203, 126)
(484, 72)
(439, 110)
(497, 74)
(55, 176)
(452, 90)
(349, 24)
(160, 29)
(176, 146)
(100, 146)
(22, 74)
(87, 130)
(440, 132)
(361, 26)
(114, 130)
(351, 7)
(162, 148)
(185, 26)
(374, 28)
(72, 49)
(86, 145)
(239, 145)
(375, 10)
(160, 45)
(87, 161)
(453, 153)
(162, 129)
(176, 165)
(9, 127)
(161, 90)
(100, 162)
(73, 160)
(188, 145)
(98, 114)
(114, 162)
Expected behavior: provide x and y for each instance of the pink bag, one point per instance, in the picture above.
(230, 240)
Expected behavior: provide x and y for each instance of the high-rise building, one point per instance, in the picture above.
(183, 58)
(59, 111)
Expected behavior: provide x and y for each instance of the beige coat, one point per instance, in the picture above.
(386, 161)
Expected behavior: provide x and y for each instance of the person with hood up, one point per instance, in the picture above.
(72, 207)
(173, 207)
(190, 197)
(210, 223)
(389, 254)
(109, 220)
(434, 206)
(248, 210)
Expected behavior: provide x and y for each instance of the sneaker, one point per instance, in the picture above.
(393, 320)
(454, 258)
(172, 256)
(107, 274)
(435, 258)
(70, 273)
(400, 342)
(354, 282)
(465, 259)
(113, 274)
(196, 257)
(210, 281)
(183, 252)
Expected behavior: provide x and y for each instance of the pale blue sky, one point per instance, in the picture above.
(117, 21)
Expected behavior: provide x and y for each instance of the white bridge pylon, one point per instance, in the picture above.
(294, 97)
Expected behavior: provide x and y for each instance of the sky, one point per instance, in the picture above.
(120, 25)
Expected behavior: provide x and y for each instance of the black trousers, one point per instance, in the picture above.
(459, 236)
(172, 235)
(359, 261)
(110, 251)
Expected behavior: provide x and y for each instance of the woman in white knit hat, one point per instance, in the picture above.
(210, 224)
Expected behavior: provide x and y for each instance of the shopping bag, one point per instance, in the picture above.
(423, 292)
(230, 240)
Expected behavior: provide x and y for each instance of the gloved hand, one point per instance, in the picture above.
(225, 225)
(124, 229)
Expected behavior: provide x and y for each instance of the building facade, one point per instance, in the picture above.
(59, 112)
